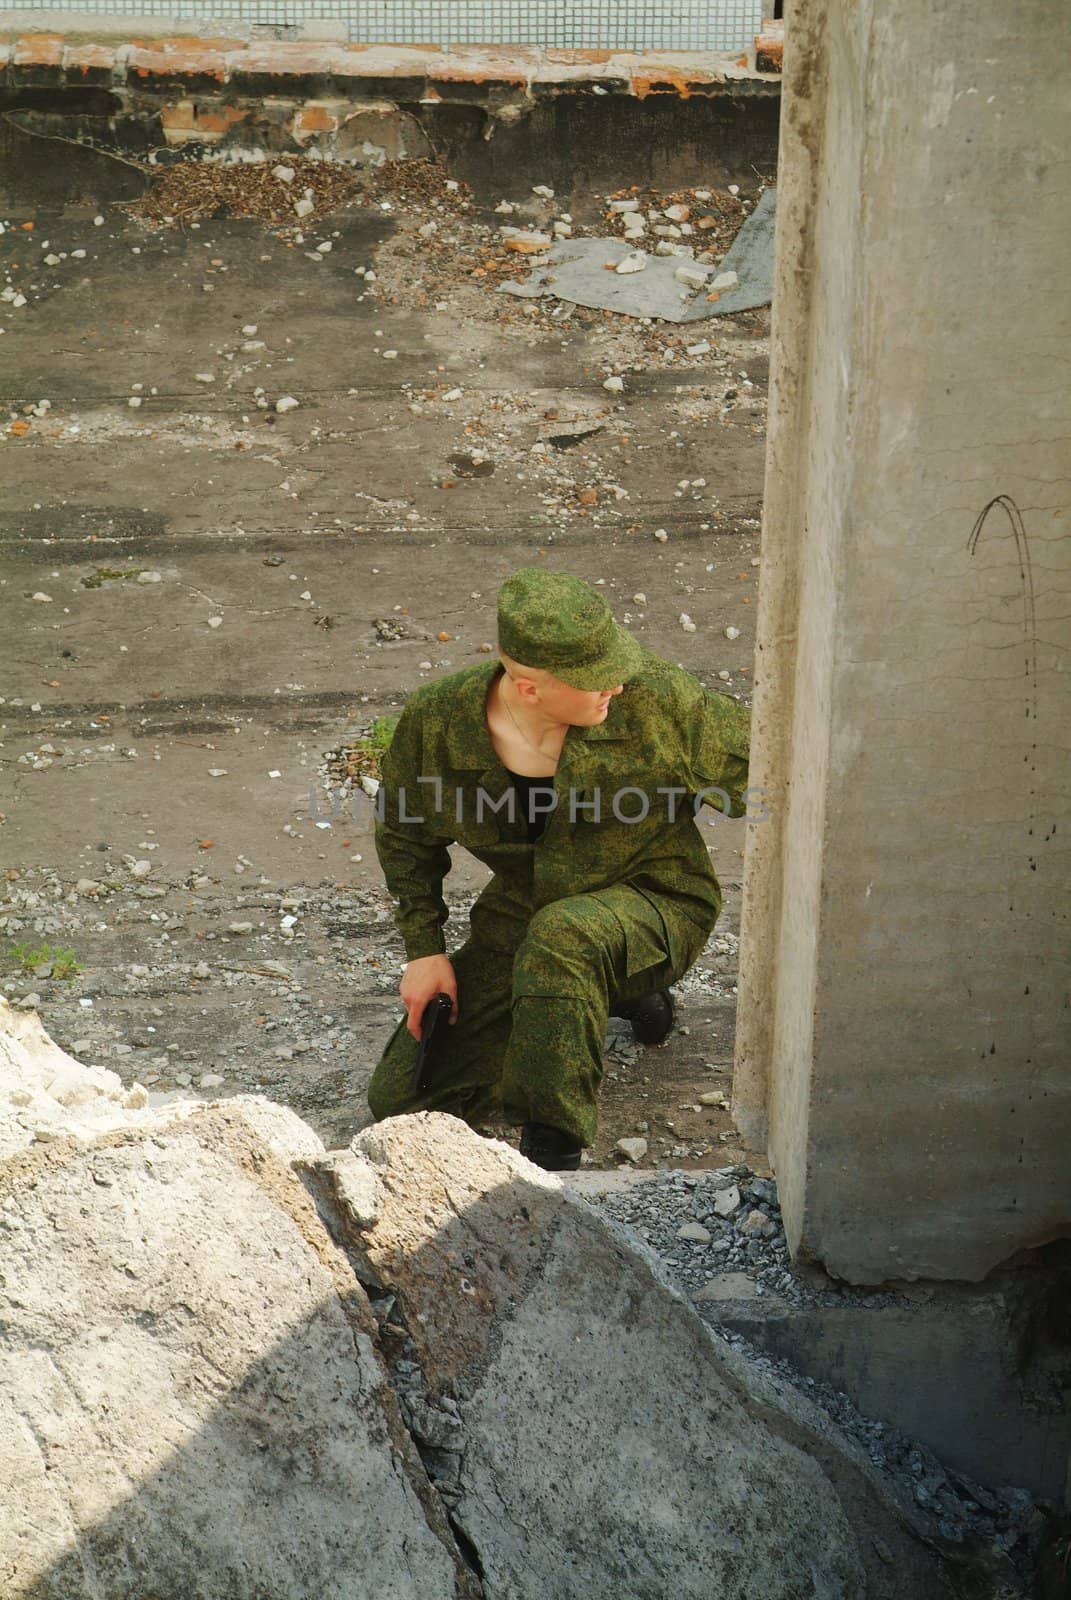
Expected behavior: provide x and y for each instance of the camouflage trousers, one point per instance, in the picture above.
(527, 1044)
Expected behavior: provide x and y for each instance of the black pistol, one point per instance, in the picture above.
(432, 1026)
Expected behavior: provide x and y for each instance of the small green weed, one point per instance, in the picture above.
(63, 962)
(363, 759)
(103, 575)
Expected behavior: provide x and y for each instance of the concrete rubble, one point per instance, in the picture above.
(235, 1364)
(675, 286)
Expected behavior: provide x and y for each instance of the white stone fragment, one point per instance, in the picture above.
(286, 403)
(661, 535)
(732, 633)
(283, 173)
(614, 384)
(635, 261)
(692, 275)
(150, 577)
(633, 1150)
(686, 622)
(725, 280)
(302, 208)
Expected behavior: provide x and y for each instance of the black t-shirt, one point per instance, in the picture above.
(534, 797)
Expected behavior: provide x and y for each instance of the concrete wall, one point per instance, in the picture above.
(905, 1010)
(511, 115)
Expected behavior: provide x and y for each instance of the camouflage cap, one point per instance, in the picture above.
(555, 621)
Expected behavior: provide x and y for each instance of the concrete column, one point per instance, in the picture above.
(904, 1039)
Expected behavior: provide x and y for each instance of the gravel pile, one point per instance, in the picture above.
(720, 1235)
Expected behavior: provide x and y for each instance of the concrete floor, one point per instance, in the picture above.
(137, 727)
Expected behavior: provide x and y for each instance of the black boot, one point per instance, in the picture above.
(549, 1148)
(652, 1018)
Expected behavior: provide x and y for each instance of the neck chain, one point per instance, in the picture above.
(520, 730)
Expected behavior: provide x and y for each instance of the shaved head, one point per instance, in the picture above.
(514, 670)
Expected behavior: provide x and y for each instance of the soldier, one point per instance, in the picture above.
(573, 767)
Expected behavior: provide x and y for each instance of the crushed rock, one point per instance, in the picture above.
(670, 1214)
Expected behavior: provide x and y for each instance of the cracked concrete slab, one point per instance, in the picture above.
(589, 1433)
(234, 1365)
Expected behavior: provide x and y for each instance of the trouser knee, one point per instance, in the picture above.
(566, 950)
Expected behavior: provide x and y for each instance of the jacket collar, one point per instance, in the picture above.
(468, 742)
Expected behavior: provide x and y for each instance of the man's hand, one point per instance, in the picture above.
(422, 980)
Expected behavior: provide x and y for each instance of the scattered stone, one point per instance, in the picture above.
(727, 1201)
(211, 1080)
(725, 280)
(240, 927)
(695, 1232)
(150, 577)
(614, 384)
(686, 622)
(732, 633)
(527, 241)
(693, 276)
(728, 1286)
(286, 403)
(661, 535)
(635, 261)
(303, 208)
(633, 1150)
(283, 173)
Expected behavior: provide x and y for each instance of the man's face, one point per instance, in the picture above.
(582, 708)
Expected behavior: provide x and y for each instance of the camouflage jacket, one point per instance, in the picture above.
(626, 794)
